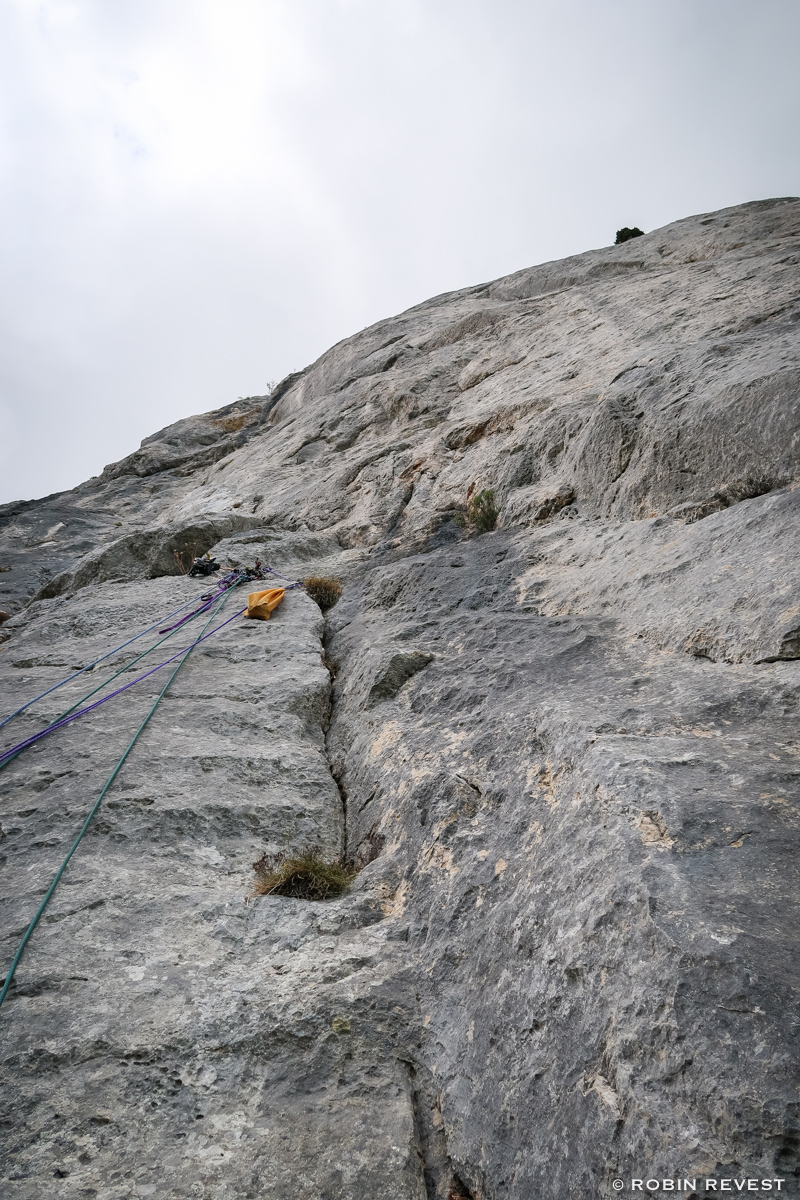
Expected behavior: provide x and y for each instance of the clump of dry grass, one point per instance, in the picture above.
(325, 591)
(304, 876)
(232, 424)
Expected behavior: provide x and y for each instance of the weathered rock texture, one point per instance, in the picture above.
(565, 753)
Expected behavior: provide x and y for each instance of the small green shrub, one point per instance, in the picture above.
(305, 876)
(479, 514)
(483, 512)
(625, 234)
(325, 591)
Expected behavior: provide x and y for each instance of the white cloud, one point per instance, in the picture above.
(200, 195)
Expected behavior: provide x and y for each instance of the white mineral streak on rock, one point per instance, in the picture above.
(566, 751)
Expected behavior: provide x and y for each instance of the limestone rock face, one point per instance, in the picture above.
(563, 754)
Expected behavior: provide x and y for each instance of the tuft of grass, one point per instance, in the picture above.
(480, 513)
(325, 591)
(304, 876)
(625, 234)
(749, 488)
(239, 420)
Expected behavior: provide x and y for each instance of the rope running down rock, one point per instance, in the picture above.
(40, 910)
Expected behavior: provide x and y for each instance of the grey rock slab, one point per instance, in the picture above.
(150, 938)
(723, 588)
(149, 554)
(580, 819)
(563, 754)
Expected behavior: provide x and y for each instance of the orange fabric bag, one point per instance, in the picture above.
(261, 604)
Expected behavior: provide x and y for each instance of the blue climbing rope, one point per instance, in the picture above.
(90, 665)
(224, 585)
(13, 751)
(40, 910)
(63, 719)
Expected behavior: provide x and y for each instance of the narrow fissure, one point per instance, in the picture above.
(441, 1181)
(332, 667)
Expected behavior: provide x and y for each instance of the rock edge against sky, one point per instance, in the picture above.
(564, 753)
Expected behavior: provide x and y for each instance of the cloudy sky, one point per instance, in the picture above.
(199, 196)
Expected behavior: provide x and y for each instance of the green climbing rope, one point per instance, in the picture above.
(126, 667)
(29, 931)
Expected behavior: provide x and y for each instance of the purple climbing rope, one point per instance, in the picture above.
(81, 712)
(227, 582)
(95, 663)
(293, 583)
(209, 597)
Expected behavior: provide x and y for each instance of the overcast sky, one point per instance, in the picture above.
(199, 196)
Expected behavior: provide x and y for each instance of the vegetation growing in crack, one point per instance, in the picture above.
(324, 591)
(303, 876)
(479, 514)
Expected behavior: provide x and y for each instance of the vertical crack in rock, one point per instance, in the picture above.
(441, 1180)
(336, 774)
(577, 734)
